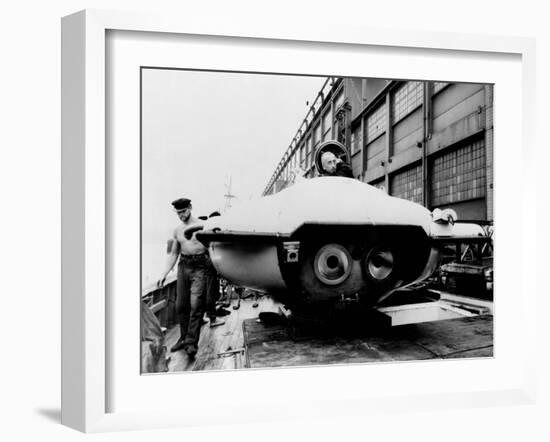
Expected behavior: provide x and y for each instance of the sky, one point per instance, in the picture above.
(202, 129)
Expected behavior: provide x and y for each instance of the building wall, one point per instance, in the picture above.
(429, 142)
(489, 151)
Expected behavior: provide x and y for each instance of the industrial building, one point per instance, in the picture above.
(428, 142)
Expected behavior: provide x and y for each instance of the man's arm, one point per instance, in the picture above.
(173, 253)
(191, 230)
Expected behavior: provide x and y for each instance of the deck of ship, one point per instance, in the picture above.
(215, 340)
(245, 342)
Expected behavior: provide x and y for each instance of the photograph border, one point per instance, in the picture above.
(85, 199)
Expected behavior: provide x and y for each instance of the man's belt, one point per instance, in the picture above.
(199, 257)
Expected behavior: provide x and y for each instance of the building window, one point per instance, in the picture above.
(438, 85)
(339, 100)
(379, 184)
(459, 175)
(406, 99)
(317, 135)
(408, 184)
(356, 140)
(327, 124)
(376, 123)
(308, 152)
(311, 150)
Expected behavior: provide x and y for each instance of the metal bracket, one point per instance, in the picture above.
(292, 249)
(349, 299)
(227, 353)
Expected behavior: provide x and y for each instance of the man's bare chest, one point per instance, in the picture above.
(192, 245)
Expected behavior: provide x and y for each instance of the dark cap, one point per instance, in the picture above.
(181, 204)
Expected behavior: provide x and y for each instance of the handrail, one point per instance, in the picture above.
(152, 287)
(298, 136)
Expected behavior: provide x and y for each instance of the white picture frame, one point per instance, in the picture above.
(86, 215)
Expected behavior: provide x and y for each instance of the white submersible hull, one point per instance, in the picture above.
(329, 238)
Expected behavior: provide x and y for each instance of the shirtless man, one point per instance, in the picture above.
(192, 273)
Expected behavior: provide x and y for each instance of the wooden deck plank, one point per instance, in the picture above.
(178, 360)
(217, 339)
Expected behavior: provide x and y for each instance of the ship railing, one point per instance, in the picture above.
(162, 300)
